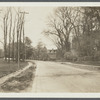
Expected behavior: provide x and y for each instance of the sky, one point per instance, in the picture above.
(35, 23)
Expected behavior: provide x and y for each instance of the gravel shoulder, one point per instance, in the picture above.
(82, 66)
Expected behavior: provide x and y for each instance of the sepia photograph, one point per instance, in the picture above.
(49, 49)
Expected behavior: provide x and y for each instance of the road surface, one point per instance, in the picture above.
(52, 77)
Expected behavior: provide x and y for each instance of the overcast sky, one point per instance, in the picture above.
(35, 23)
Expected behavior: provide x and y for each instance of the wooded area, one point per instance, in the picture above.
(76, 32)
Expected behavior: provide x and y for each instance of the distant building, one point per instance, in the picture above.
(52, 54)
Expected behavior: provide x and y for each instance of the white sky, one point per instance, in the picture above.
(36, 19)
(35, 23)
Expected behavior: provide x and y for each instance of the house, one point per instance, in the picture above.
(52, 54)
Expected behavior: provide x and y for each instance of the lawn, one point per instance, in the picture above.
(7, 68)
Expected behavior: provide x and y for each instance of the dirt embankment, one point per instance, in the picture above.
(21, 82)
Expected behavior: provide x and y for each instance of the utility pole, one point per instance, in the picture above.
(24, 46)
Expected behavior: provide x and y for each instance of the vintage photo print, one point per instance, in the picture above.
(49, 49)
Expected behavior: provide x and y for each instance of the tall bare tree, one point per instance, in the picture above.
(10, 31)
(61, 27)
(13, 41)
(5, 23)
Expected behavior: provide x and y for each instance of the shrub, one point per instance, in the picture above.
(70, 56)
(80, 59)
(85, 58)
(97, 55)
(88, 58)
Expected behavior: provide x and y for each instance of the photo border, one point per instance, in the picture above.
(30, 96)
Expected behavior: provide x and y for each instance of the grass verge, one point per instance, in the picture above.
(86, 65)
(7, 68)
(19, 82)
(94, 63)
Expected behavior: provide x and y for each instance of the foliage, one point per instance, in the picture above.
(27, 46)
(27, 41)
(70, 56)
(82, 27)
(97, 56)
(40, 52)
(60, 27)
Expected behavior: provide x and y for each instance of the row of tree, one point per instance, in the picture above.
(75, 31)
(17, 47)
(14, 36)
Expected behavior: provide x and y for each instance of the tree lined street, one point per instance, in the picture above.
(73, 35)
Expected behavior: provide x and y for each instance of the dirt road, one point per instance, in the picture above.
(58, 78)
